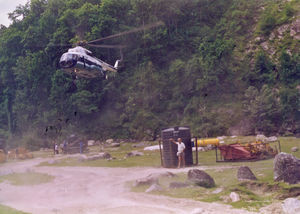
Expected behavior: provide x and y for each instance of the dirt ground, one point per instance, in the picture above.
(93, 190)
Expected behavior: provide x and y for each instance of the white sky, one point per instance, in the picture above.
(8, 6)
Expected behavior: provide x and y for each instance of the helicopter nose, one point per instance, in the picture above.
(67, 61)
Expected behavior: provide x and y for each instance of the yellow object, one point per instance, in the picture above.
(210, 141)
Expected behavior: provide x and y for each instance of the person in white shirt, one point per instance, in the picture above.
(180, 152)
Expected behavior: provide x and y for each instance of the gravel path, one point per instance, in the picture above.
(93, 190)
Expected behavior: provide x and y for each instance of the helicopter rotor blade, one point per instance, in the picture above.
(145, 27)
(108, 46)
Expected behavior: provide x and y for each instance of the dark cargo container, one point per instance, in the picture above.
(170, 149)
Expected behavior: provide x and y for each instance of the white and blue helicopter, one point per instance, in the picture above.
(80, 62)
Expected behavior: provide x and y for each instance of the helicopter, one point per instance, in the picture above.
(80, 62)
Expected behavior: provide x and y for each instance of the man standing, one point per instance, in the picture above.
(180, 152)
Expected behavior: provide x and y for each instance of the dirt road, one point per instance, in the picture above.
(93, 190)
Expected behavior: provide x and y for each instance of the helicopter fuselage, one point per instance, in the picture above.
(80, 62)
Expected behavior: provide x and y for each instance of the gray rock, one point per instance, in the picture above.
(282, 29)
(294, 149)
(141, 144)
(154, 187)
(102, 155)
(291, 206)
(245, 173)
(115, 145)
(286, 168)
(149, 180)
(82, 158)
(91, 142)
(105, 155)
(175, 185)
(109, 141)
(217, 191)
(134, 153)
(200, 178)
(234, 197)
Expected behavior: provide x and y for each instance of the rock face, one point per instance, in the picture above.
(200, 178)
(286, 168)
(245, 173)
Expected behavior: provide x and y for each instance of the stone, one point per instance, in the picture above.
(134, 153)
(154, 187)
(272, 36)
(245, 173)
(217, 191)
(104, 155)
(175, 185)
(294, 149)
(109, 141)
(282, 29)
(265, 46)
(291, 206)
(82, 158)
(200, 178)
(91, 142)
(261, 137)
(286, 168)
(271, 139)
(234, 197)
(141, 144)
(152, 148)
(115, 145)
(149, 180)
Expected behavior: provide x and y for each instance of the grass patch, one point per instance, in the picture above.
(28, 178)
(149, 159)
(8, 210)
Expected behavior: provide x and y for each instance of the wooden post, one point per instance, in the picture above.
(196, 150)
(216, 148)
(161, 158)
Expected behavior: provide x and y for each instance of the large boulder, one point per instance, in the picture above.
(245, 173)
(286, 168)
(200, 178)
(291, 206)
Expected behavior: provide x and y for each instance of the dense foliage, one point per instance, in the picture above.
(194, 70)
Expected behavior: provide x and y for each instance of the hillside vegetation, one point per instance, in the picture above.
(221, 67)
